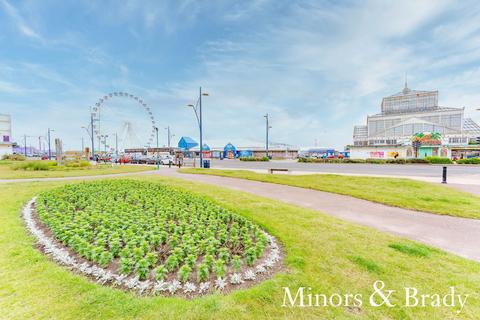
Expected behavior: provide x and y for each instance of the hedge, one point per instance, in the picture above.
(438, 160)
(14, 157)
(426, 160)
(469, 161)
(254, 159)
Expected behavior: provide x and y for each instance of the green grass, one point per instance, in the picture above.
(411, 249)
(319, 251)
(42, 169)
(366, 263)
(403, 193)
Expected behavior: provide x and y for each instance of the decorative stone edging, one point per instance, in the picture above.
(103, 276)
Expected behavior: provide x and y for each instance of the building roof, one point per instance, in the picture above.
(439, 109)
(410, 92)
(471, 126)
(229, 147)
(187, 143)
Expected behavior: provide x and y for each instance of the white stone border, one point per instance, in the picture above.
(103, 276)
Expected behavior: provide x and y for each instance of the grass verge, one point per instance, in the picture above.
(10, 170)
(403, 193)
(322, 253)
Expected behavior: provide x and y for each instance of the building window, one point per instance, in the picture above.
(6, 138)
(457, 140)
(360, 143)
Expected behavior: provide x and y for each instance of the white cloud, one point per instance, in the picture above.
(19, 21)
(317, 68)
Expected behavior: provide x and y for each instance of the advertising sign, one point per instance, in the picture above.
(428, 138)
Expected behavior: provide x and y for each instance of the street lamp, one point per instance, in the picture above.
(158, 155)
(49, 148)
(267, 129)
(104, 137)
(198, 114)
(25, 144)
(169, 136)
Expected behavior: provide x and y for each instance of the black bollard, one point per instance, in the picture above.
(444, 175)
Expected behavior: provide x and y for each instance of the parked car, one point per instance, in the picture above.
(166, 160)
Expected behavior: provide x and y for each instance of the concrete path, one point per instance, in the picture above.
(456, 235)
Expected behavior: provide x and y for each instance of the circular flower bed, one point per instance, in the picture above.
(151, 237)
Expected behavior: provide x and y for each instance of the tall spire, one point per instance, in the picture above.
(405, 88)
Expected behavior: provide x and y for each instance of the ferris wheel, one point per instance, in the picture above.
(98, 115)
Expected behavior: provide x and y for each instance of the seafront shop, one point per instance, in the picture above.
(465, 152)
(399, 152)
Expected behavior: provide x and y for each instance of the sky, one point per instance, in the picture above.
(316, 67)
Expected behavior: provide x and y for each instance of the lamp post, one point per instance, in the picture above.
(198, 114)
(49, 148)
(104, 137)
(91, 138)
(416, 147)
(90, 134)
(168, 136)
(25, 145)
(267, 129)
(116, 145)
(40, 145)
(158, 155)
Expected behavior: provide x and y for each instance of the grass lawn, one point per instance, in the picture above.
(322, 252)
(7, 172)
(403, 193)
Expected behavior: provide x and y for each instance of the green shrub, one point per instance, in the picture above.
(236, 263)
(395, 161)
(203, 272)
(142, 269)
(469, 161)
(254, 159)
(33, 166)
(184, 273)
(77, 164)
(14, 157)
(220, 268)
(376, 161)
(105, 258)
(126, 266)
(160, 273)
(416, 160)
(438, 160)
(330, 160)
(349, 160)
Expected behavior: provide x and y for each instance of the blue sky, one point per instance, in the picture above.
(317, 67)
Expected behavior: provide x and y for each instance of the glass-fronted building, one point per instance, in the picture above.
(389, 133)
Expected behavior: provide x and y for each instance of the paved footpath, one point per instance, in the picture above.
(457, 235)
